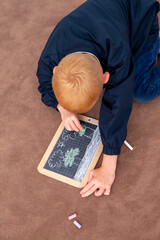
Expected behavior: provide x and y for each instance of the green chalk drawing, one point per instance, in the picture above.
(81, 133)
(70, 156)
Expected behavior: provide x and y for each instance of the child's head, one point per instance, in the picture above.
(78, 82)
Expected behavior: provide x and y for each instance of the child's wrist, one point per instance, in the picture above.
(109, 162)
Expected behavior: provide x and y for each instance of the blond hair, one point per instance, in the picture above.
(77, 82)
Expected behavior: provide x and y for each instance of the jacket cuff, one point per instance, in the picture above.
(111, 151)
(49, 102)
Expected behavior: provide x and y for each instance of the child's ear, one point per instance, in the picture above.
(106, 76)
(54, 69)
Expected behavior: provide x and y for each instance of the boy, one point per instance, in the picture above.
(102, 44)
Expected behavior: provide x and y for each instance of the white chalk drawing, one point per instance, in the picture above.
(67, 134)
(70, 156)
(88, 156)
(60, 144)
(58, 155)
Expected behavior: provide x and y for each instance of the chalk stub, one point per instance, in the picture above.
(77, 224)
(128, 145)
(72, 216)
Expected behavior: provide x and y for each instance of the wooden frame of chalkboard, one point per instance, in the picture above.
(60, 177)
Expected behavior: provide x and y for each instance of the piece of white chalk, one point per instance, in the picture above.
(77, 224)
(72, 216)
(128, 145)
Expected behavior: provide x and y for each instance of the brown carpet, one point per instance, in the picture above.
(36, 207)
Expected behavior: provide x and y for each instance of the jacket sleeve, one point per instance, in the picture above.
(116, 107)
(50, 57)
(45, 74)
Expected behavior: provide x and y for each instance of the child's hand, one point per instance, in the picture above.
(70, 120)
(101, 178)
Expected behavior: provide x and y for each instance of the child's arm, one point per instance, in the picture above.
(109, 162)
(50, 57)
(114, 114)
(116, 106)
(45, 74)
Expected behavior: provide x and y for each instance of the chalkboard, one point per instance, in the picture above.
(71, 155)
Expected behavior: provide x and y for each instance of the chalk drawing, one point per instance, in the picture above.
(70, 156)
(88, 156)
(68, 159)
(68, 134)
(60, 144)
(58, 155)
(87, 132)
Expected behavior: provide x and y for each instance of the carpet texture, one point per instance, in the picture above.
(36, 207)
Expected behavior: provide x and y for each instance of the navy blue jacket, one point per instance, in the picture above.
(115, 31)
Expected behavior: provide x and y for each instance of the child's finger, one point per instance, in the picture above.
(90, 191)
(87, 187)
(74, 126)
(107, 191)
(77, 122)
(68, 126)
(99, 192)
